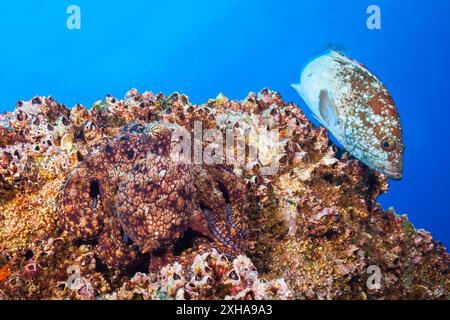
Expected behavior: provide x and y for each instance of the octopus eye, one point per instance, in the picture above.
(94, 192)
(108, 149)
(388, 144)
(94, 189)
(130, 154)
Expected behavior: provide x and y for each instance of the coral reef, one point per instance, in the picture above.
(93, 207)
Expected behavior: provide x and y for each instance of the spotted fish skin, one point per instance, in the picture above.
(355, 106)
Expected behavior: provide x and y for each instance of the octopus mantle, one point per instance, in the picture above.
(133, 197)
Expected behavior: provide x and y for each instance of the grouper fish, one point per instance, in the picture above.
(355, 106)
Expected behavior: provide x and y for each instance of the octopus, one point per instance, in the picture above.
(131, 197)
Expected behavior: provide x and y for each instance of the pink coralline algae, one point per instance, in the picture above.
(94, 206)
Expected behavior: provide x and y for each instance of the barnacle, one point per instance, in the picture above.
(83, 188)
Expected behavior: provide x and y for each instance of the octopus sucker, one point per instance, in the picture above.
(225, 213)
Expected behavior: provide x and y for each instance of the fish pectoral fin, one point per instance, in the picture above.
(327, 110)
(297, 88)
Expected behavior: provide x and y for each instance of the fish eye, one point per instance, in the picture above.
(388, 144)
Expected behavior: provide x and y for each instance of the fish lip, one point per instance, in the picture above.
(396, 175)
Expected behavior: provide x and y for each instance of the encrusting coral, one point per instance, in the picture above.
(92, 206)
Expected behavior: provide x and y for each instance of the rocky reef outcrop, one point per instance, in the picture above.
(79, 218)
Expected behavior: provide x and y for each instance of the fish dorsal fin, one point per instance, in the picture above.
(327, 110)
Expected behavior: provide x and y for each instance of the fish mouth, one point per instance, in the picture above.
(396, 175)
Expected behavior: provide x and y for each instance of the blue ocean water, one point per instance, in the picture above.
(202, 47)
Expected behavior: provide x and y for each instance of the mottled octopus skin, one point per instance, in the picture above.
(88, 194)
(131, 187)
(154, 203)
(226, 192)
(83, 204)
(113, 248)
